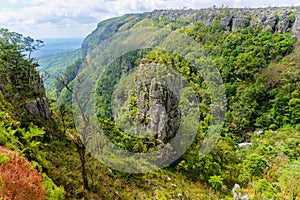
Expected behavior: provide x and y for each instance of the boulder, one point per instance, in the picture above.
(237, 195)
(259, 132)
(244, 144)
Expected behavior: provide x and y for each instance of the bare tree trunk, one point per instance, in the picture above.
(62, 114)
(80, 142)
(82, 153)
(81, 149)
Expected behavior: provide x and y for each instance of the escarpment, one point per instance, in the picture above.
(279, 19)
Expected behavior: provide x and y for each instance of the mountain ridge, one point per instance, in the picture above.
(271, 16)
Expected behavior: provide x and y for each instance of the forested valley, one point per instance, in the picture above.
(46, 154)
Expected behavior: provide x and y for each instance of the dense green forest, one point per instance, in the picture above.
(256, 153)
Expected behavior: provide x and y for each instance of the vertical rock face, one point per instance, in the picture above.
(39, 107)
(24, 88)
(240, 22)
(296, 26)
(157, 102)
(278, 19)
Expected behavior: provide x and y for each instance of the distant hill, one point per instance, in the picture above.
(54, 65)
(58, 45)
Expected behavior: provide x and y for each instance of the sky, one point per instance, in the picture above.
(42, 19)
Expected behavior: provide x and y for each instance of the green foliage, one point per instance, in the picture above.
(264, 190)
(111, 77)
(19, 80)
(240, 55)
(105, 29)
(31, 142)
(53, 192)
(125, 141)
(3, 159)
(216, 182)
(21, 43)
(289, 180)
(68, 76)
(66, 96)
(3, 140)
(254, 166)
(243, 53)
(54, 66)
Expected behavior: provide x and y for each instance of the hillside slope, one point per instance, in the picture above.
(54, 65)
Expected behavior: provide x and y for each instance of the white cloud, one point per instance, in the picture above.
(13, 1)
(77, 18)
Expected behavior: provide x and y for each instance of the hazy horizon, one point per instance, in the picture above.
(76, 19)
(55, 46)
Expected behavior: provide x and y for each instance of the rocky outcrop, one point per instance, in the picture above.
(296, 26)
(39, 107)
(157, 101)
(278, 19)
(237, 195)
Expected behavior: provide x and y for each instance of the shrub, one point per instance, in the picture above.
(19, 180)
(53, 192)
(3, 140)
